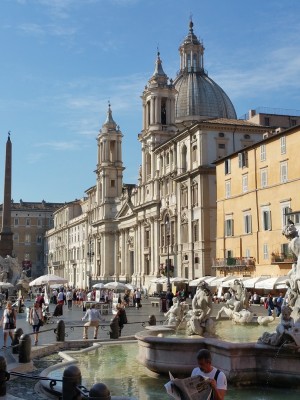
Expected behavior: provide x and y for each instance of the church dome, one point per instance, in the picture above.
(198, 95)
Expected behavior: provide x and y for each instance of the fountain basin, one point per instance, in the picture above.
(244, 364)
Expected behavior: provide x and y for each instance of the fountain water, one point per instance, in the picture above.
(243, 363)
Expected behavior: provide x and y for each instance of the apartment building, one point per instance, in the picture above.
(257, 192)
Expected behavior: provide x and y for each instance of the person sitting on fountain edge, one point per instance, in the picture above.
(217, 378)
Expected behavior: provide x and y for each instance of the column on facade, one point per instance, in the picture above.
(152, 109)
(144, 119)
(123, 252)
(158, 110)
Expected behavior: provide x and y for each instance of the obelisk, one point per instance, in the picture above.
(6, 235)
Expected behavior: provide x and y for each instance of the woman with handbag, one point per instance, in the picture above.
(8, 322)
(36, 319)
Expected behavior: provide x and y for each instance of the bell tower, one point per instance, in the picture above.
(109, 167)
(158, 117)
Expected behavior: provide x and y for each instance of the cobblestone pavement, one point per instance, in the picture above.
(137, 318)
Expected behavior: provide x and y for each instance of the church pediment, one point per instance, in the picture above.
(126, 210)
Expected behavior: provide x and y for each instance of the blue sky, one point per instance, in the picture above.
(63, 60)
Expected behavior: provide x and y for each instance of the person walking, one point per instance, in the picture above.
(93, 316)
(138, 298)
(8, 322)
(216, 377)
(36, 319)
(69, 298)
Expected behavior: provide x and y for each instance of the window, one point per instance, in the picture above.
(195, 227)
(27, 238)
(194, 153)
(194, 194)
(147, 238)
(227, 189)
(227, 166)
(168, 159)
(184, 232)
(293, 122)
(267, 121)
(283, 145)
(264, 178)
(283, 172)
(265, 251)
(39, 222)
(112, 183)
(263, 152)
(39, 239)
(184, 196)
(27, 221)
(16, 237)
(285, 210)
(247, 137)
(229, 227)
(221, 134)
(266, 220)
(16, 221)
(245, 183)
(247, 223)
(221, 145)
(243, 159)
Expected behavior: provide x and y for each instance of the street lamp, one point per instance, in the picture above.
(167, 222)
(90, 255)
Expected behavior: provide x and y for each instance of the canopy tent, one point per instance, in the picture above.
(249, 283)
(210, 280)
(220, 281)
(230, 279)
(48, 280)
(195, 282)
(272, 283)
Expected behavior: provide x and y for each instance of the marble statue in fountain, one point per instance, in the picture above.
(196, 321)
(236, 306)
(288, 331)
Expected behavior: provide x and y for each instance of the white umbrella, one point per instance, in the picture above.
(115, 285)
(47, 280)
(6, 285)
(159, 280)
(130, 286)
(210, 279)
(178, 279)
(99, 285)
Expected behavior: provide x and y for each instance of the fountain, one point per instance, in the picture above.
(243, 363)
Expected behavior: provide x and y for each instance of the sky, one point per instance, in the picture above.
(62, 61)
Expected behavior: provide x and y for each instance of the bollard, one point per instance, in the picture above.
(16, 340)
(99, 392)
(152, 320)
(71, 378)
(114, 332)
(24, 348)
(60, 331)
(4, 376)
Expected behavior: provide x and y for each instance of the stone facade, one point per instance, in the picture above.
(127, 232)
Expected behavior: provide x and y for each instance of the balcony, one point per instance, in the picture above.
(282, 258)
(234, 262)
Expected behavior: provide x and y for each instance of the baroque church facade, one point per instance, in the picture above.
(127, 232)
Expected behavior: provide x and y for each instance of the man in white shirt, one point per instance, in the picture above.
(93, 316)
(217, 378)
